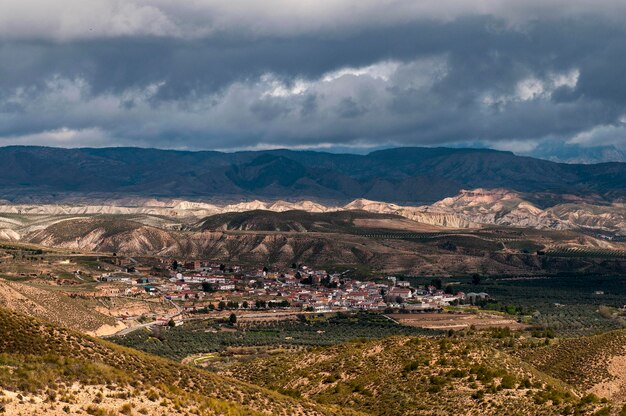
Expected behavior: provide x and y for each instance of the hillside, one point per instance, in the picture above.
(469, 209)
(55, 371)
(302, 221)
(55, 307)
(405, 175)
(268, 247)
(596, 364)
(410, 376)
(385, 242)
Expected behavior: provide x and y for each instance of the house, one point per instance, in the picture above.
(193, 265)
(215, 279)
(357, 295)
(321, 307)
(150, 289)
(107, 290)
(175, 296)
(403, 293)
(472, 297)
(133, 291)
(226, 286)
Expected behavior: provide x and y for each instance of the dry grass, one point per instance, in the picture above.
(596, 364)
(411, 376)
(32, 346)
(457, 321)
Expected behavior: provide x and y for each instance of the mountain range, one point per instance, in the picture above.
(401, 175)
(575, 153)
(469, 209)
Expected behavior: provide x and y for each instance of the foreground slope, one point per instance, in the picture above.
(417, 376)
(51, 370)
(596, 364)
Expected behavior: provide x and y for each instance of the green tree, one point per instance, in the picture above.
(476, 279)
(232, 319)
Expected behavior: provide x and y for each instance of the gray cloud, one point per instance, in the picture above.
(227, 77)
(64, 20)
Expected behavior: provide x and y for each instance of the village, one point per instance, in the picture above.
(196, 288)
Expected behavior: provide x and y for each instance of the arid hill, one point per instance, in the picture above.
(469, 209)
(50, 370)
(55, 307)
(596, 364)
(303, 221)
(411, 376)
(387, 243)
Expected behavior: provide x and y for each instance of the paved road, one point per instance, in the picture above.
(127, 331)
(132, 329)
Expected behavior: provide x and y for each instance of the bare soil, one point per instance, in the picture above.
(456, 321)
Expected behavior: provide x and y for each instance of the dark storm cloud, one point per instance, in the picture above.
(425, 80)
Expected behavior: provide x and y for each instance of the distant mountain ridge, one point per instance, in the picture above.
(402, 175)
(574, 153)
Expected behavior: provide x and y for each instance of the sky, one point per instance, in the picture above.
(313, 74)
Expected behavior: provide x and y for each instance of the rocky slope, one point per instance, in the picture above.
(281, 246)
(473, 208)
(500, 207)
(384, 242)
(466, 210)
(609, 218)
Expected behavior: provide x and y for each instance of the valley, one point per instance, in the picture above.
(312, 208)
(295, 312)
(478, 301)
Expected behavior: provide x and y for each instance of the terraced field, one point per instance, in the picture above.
(585, 252)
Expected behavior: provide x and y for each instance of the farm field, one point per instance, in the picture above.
(209, 336)
(568, 304)
(232, 356)
(456, 321)
(586, 252)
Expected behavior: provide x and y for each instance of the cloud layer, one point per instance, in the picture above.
(205, 74)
